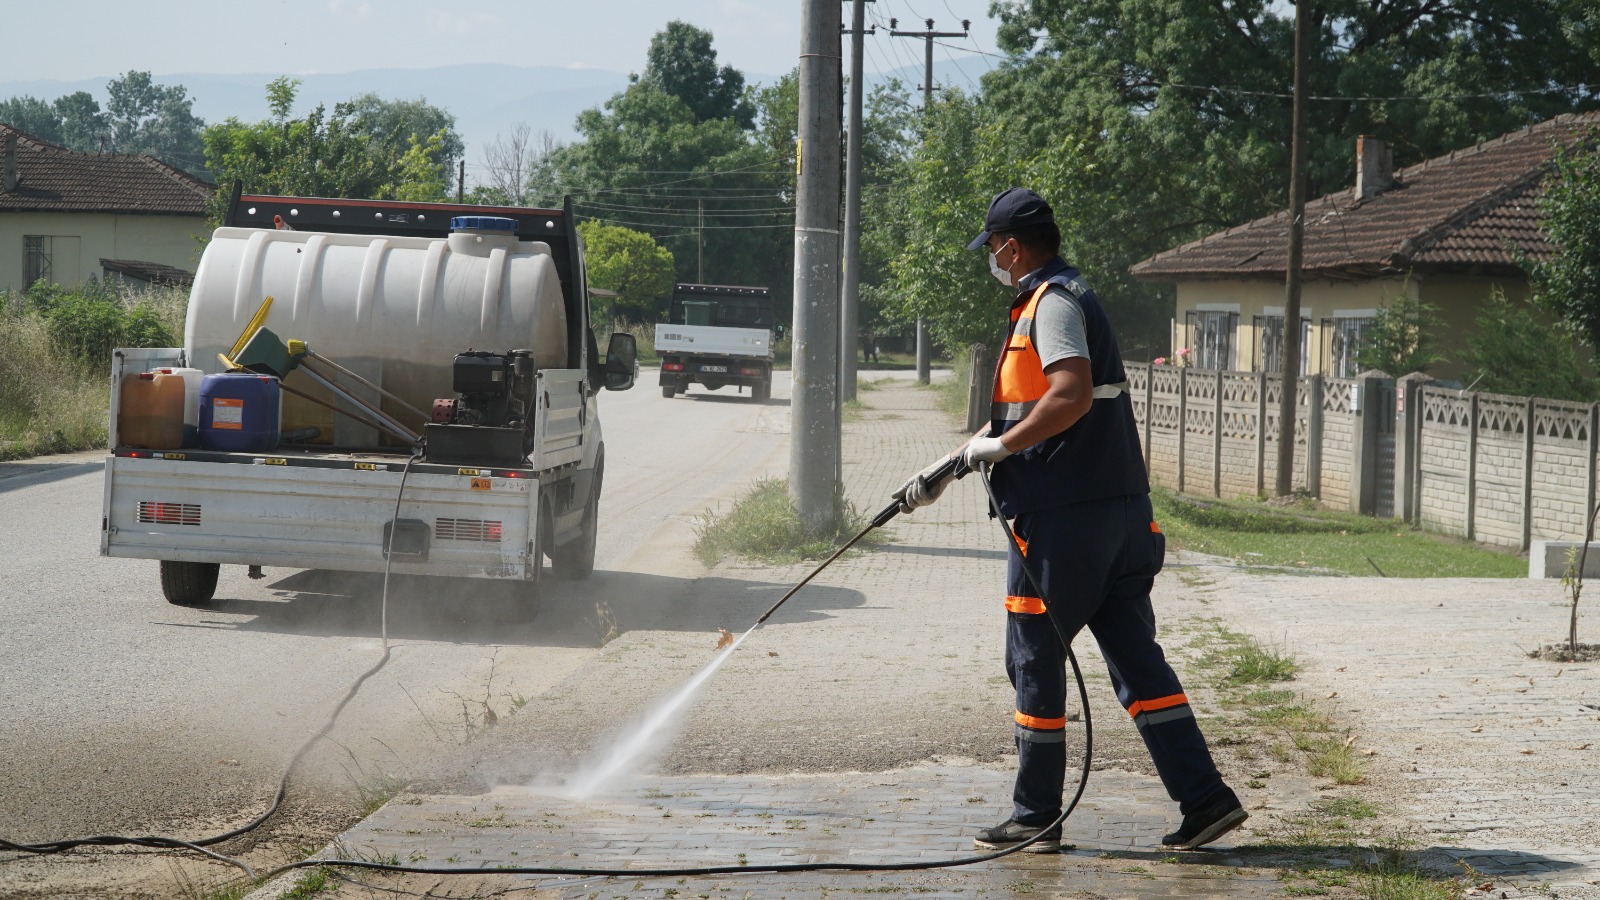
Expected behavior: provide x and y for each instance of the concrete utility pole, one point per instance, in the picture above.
(1297, 209)
(849, 299)
(814, 456)
(924, 346)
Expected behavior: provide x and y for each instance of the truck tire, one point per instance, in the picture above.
(762, 392)
(189, 583)
(668, 390)
(574, 560)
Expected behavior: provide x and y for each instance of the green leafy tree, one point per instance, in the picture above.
(34, 116)
(1514, 350)
(682, 64)
(1183, 106)
(320, 155)
(718, 195)
(391, 124)
(631, 264)
(1398, 341)
(85, 126)
(966, 157)
(1568, 284)
(145, 117)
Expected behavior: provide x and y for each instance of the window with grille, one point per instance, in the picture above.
(1211, 338)
(36, 259)
(1269, 344)
(1347, 336)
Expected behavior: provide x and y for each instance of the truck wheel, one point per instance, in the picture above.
(667, 391)
(574, 560)
(762, 392)
(189, 583)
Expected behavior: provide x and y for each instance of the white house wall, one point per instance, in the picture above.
(171, 240)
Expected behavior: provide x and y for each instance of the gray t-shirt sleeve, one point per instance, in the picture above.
(1059, 332)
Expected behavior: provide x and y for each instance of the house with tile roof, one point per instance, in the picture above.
(1447, 232)
(64, 213)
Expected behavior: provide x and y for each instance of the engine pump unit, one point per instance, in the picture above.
(490, 420)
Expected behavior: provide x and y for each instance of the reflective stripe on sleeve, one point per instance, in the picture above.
(1028, 605)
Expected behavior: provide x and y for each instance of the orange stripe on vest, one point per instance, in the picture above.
(1028, 721)
(1020, 376)
(1144, 706)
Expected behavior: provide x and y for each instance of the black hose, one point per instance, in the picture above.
(878, 521)
(199, 845)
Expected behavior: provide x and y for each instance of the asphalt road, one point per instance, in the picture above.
(123, 714)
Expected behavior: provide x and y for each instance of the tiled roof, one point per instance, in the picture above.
(1472, 209)
(152, 272)
(55, 179)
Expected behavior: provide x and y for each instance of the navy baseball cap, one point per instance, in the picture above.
(1010, 210)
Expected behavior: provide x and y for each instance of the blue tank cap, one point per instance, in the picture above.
(483, 223)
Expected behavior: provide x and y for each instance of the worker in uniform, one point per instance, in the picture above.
(1068, 472)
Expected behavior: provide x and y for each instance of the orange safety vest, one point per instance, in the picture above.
(1019, 379)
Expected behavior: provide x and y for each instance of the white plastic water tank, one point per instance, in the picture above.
(394, 309)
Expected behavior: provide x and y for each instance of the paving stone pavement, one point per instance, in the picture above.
(1525, 821)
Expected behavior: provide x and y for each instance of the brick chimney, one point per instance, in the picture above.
(10, 183)
(1374, 167)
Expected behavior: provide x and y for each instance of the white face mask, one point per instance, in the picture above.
(1000, 275)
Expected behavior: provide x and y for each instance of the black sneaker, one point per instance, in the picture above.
(1215, 818)
(1011, 833)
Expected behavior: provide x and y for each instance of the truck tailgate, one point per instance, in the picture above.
(713, 339)
(304, 516)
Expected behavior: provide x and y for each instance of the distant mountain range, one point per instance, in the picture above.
(486, 99)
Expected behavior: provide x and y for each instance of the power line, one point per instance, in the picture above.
(610, 221)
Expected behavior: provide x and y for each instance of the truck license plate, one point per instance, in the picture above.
(713, 368)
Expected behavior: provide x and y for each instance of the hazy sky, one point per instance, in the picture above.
(76, 39)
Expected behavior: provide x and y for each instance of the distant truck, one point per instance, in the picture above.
(718, 335)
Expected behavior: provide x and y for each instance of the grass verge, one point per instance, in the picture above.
(764, 525)
(1249, 679)
(1300, 537)
(50, 402)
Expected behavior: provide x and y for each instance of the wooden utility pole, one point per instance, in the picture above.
(461, 182)
(849, 299)
(814, 448)
(924, 345)
(1287, 404)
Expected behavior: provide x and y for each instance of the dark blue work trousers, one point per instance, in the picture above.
(1096, 561)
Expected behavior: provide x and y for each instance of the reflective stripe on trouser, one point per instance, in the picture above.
(1097, 561)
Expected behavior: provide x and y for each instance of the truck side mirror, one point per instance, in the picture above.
(622, 360)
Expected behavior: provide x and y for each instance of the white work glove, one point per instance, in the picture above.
(923, 488)
(983, 449)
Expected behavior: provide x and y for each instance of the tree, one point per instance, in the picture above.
(34, 116)
(1398, 342)
(648, 161)
(633, 265)
(321, 155)
(145, 117)
(966, 157)
(84, 126)
(391, 124)
(509, 162)
(1513, 350)
(682, 64)
(1183, 107)
(1568, 283)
